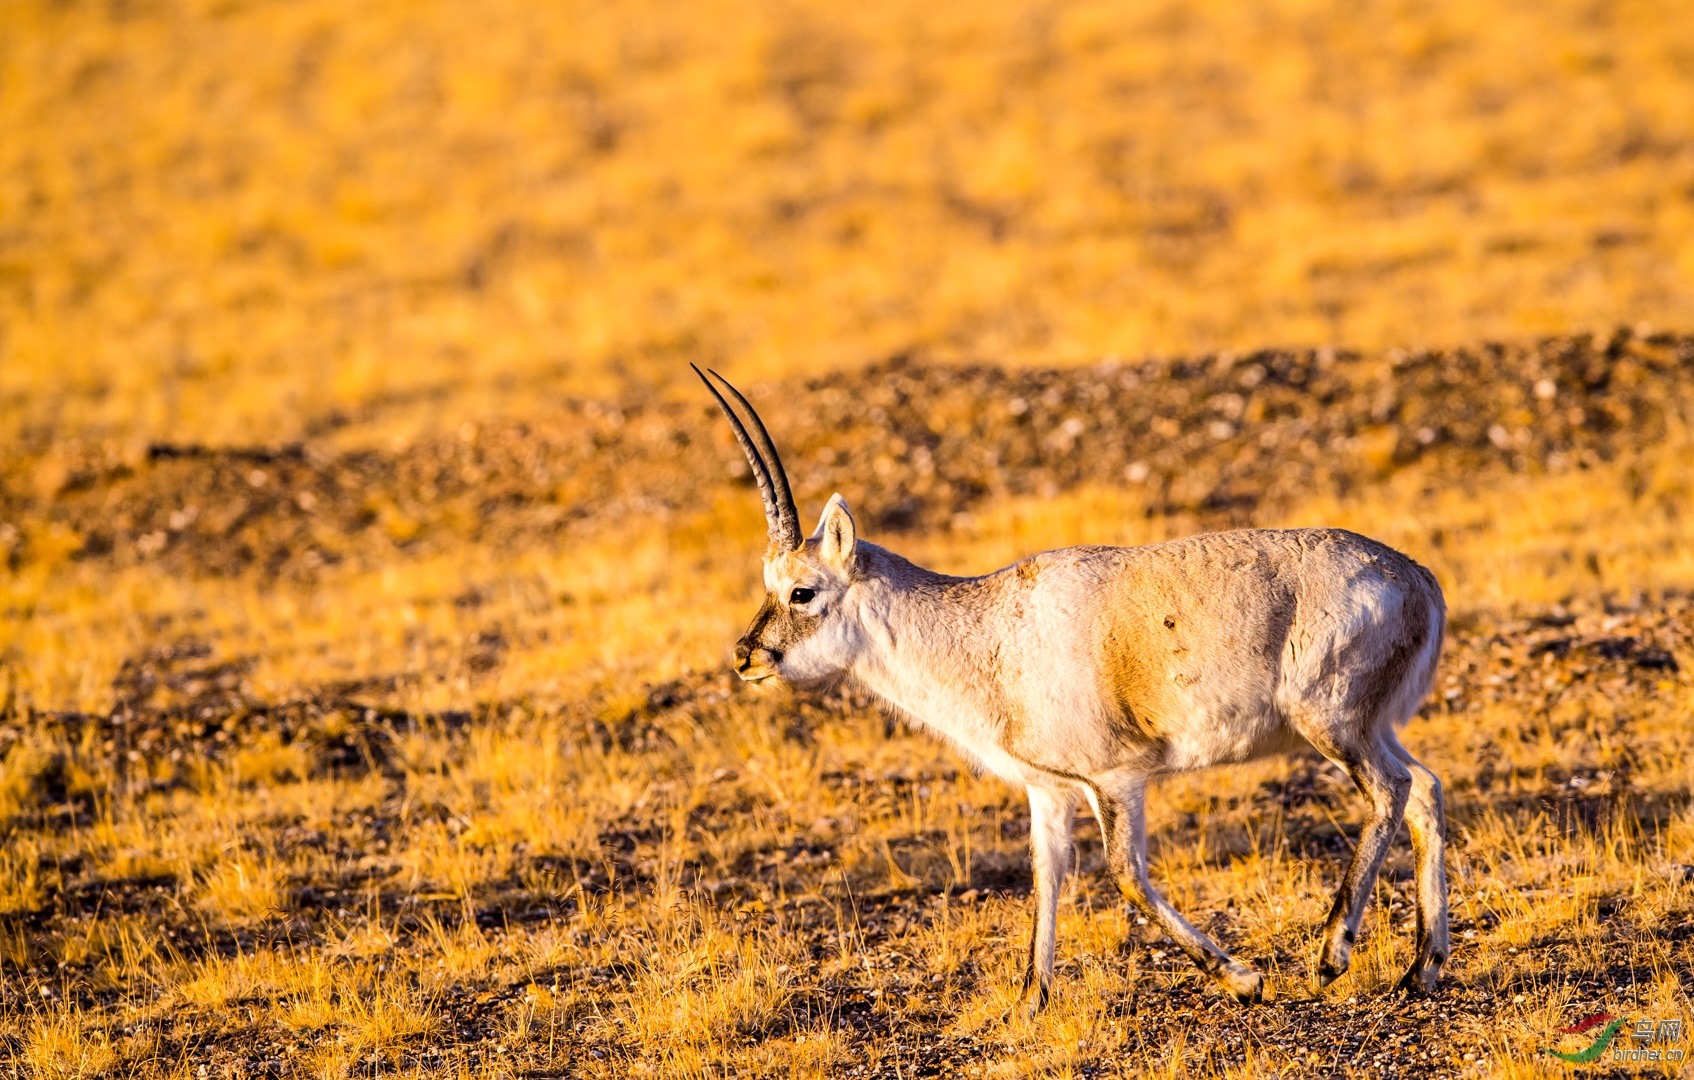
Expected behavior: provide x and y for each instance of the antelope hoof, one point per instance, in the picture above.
(1030, 1002)
(1247, 985)
(1329, 970)
(1420, 978)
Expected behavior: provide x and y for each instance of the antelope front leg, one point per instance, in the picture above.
(1050, 815)
(1123, 823)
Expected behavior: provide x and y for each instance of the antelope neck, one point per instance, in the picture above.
(928, 645)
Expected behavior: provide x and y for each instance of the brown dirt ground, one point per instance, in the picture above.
(179, 704)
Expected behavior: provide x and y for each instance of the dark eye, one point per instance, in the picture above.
(800, 596)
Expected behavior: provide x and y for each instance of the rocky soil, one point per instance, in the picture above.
(1225, 438)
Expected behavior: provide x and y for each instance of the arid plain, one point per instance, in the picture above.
(369, 561)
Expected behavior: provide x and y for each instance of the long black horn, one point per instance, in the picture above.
(787, 516)
(782, 532)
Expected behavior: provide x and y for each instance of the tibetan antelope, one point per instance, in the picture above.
(1082, 672)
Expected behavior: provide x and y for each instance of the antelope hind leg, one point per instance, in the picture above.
(1123, 824)
(1386, 782)
(1427, 819)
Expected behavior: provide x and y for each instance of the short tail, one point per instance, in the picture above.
(1421, 678)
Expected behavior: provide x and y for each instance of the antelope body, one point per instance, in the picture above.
(1081, 673)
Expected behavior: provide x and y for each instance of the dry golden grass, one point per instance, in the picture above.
(724, 893)
(471, 795)
(223, 219)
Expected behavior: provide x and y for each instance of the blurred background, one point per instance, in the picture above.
(223, 221)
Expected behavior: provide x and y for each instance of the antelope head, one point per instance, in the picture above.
(807, 630)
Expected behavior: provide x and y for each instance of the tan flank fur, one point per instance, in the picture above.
(1080, 673)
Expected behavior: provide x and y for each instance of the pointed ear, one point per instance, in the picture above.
(836, 535)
